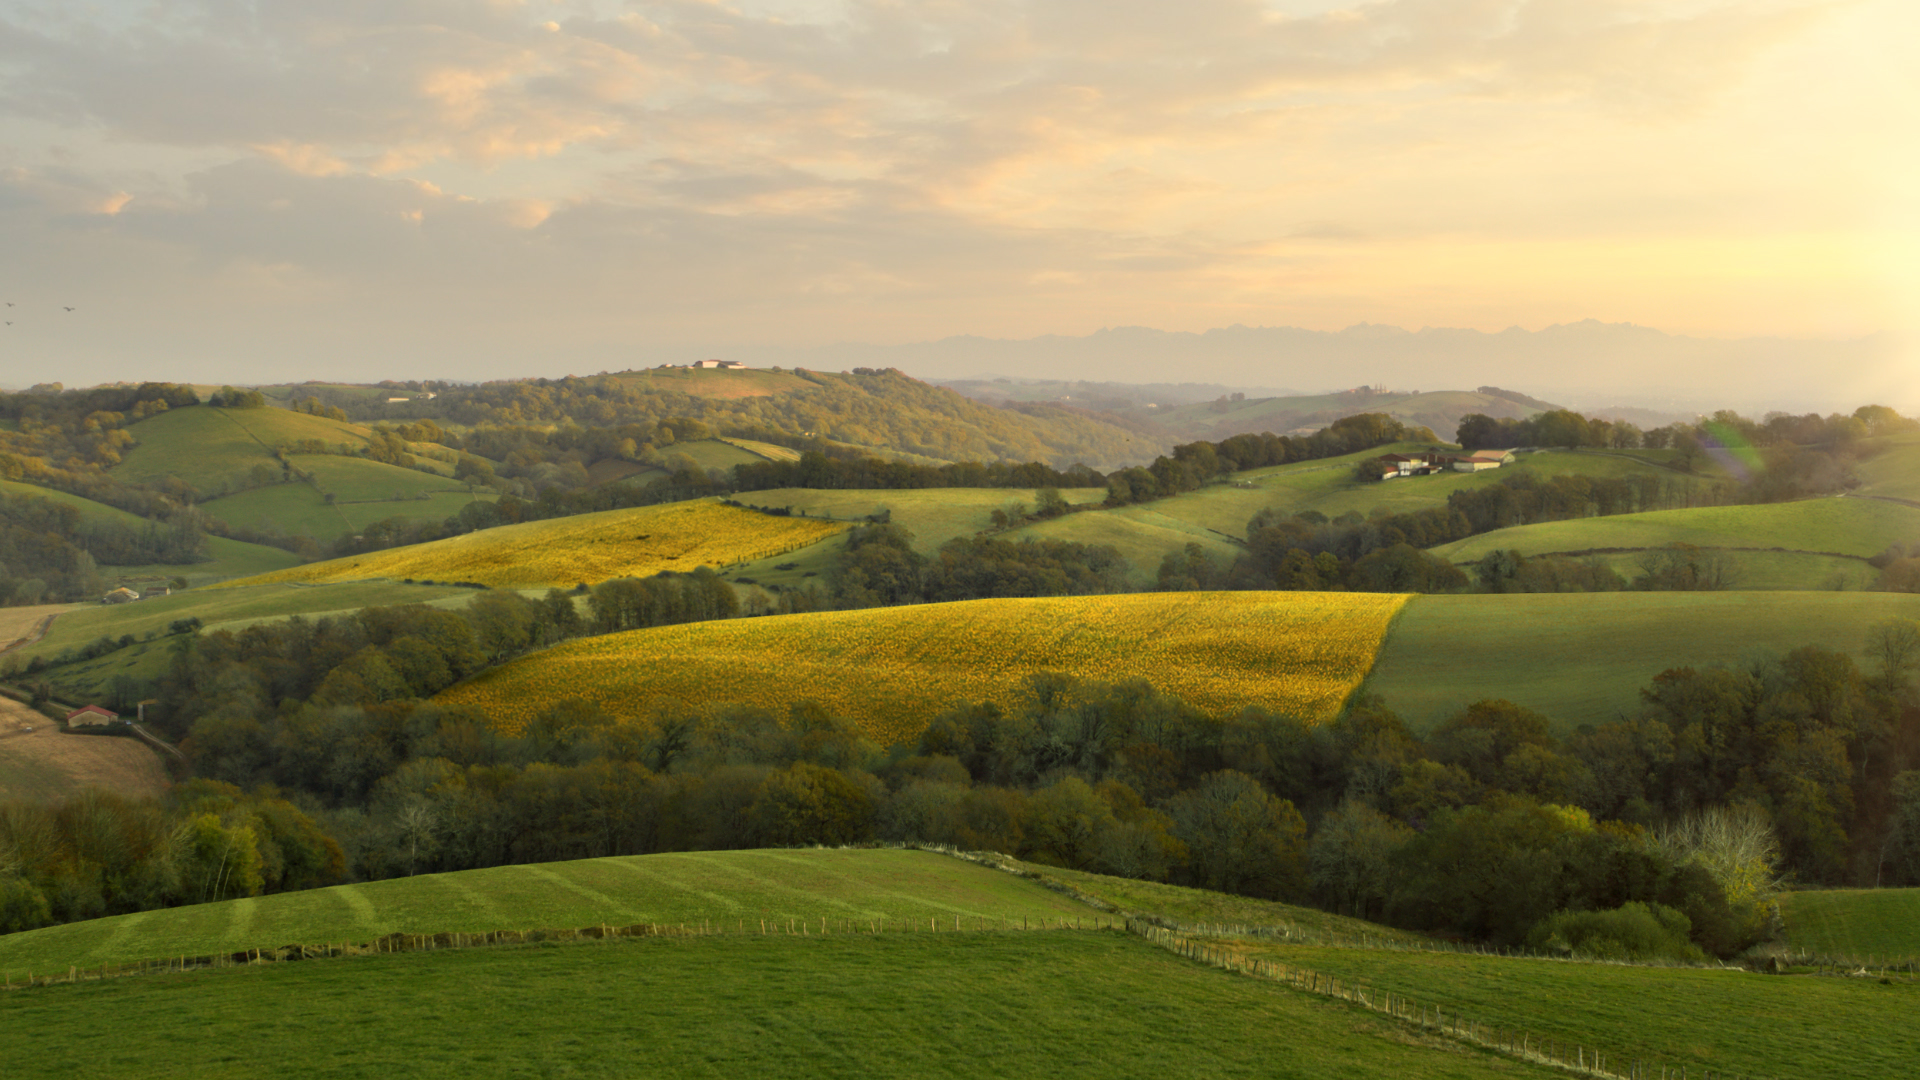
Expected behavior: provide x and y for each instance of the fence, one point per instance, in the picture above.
(1430, 1018)
(399, 943)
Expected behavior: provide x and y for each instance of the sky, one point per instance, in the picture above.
(256, 190)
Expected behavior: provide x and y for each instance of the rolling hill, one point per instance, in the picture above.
(147, 622)
(1439, 410)
(1858, 925)
(892, 669)
(216, 450)
(1856, 527)
(230, 558)
(587, 548)
(40, 762)
(1581, 658)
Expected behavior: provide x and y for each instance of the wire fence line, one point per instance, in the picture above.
(734, 926)
(1430, 1018)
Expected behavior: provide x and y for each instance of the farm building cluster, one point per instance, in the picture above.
(1425, 463)
(124, 595)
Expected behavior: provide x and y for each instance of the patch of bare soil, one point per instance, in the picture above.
(22, 625)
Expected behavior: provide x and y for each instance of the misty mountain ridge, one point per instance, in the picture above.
(1587, 364)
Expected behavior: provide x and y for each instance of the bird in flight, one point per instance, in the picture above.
(69, 309)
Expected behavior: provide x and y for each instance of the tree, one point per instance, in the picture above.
(809, 804)
(1350, 861)
(1240, 838)
(1067, 824)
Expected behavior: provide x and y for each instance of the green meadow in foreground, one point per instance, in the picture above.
(1054, 1004)
(1857, 924)
(1582, 658)
(729, 887)
(1703, 1018)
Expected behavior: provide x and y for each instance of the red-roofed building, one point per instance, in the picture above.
(92, 715)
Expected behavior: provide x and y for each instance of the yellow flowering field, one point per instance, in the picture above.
(893, 669)
(587, 548)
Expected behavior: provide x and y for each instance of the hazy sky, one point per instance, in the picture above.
(260, 189)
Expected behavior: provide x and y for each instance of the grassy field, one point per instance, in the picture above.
(1768, 570)
(1726, 1020)
(1329, 487)
(227, 606)
(714, 453)
(719, 886)
(768, 451)
(893, 1005)
(1854, 923)
(933, 515)
(364, 492)
(1859, 527)
(1894, 472)
(1204, 907)
(210, 448)
(1142, 534)
(588, 548)
(19, 623)
(893, 669)
(39, 762)
(1581, 658)
(230, 558)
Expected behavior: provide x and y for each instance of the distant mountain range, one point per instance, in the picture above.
(1590, 365)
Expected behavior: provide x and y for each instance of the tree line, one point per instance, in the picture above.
(50, 553)
(319, 757)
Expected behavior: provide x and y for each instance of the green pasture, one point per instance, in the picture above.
(933, 515)
(1196, 907)
(1856, 924)
(364, 492)
(713, 453)
(1892, 472)
(981, 1004)
(217, 608)
(148, 660)
(215, 449)
(1859, 527)
(1330, 487)
(89, 510)
(1769, 570)
(769, 451)
(230, 558)
(1142, 534)
(723, 887)
(1582, 658)
(1729, 1020)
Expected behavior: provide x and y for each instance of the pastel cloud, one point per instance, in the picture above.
(705, 172)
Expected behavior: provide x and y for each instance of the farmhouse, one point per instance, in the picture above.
(725, 365)
(1482, 459)
(121, 595)
(92, 716)
(1397, 465)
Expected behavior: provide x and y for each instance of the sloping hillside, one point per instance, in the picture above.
(586, 548)
(1439, 410)
(883, 411)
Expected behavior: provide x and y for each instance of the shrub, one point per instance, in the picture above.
(1632, 931)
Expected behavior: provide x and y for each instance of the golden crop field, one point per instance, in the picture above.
(588, 548)
(893, 669)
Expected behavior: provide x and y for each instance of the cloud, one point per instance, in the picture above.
(695, 170)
